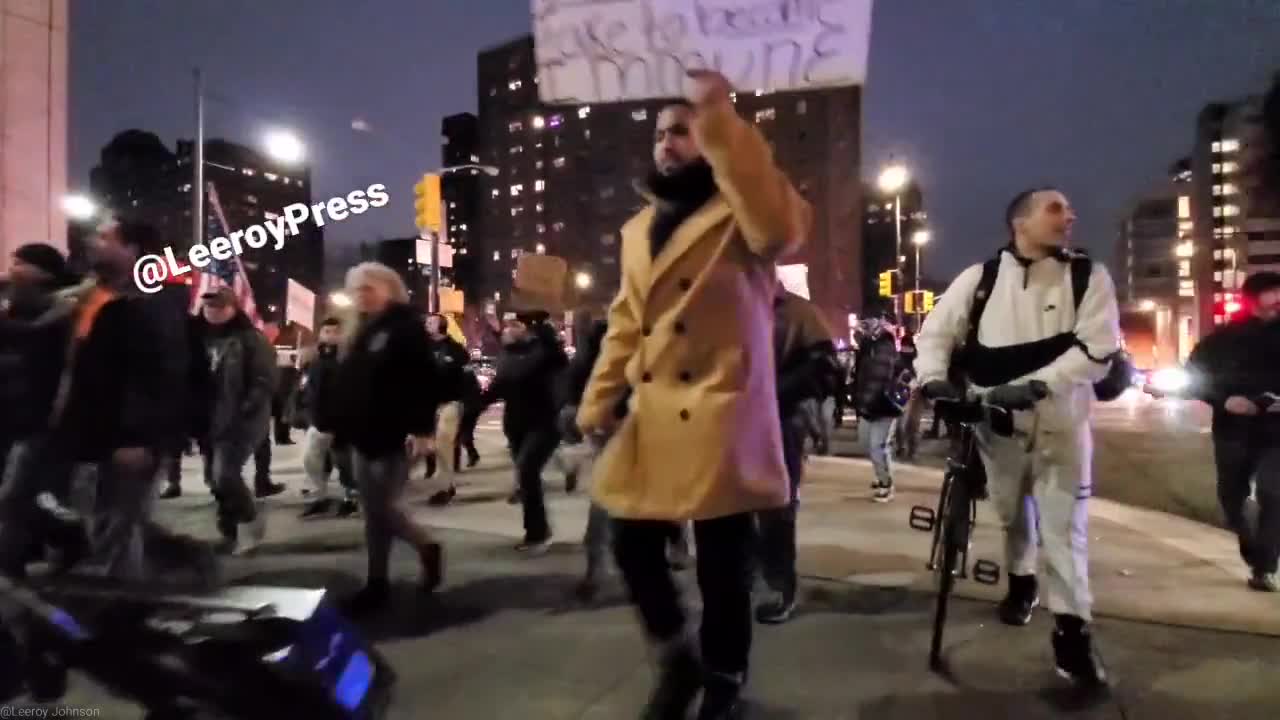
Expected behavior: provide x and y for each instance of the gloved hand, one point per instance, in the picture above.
(567, 423)
(940, 389)
(1018, 397)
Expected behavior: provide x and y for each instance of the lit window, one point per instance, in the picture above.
(583, 112)
(558, 162)
(514, 272)
(1217, 254)
(270, 176)
(517, 149)
(541, 228)
(495, 192)
(517, 210)
(1217, 211)
(497, 256)
(606, 192)
(540, 249)
(557, 226)
(586, 134)
(1217, 276)
(1230, 210)
(1229, 167)
(1217, 168)
(1228, 230)
(516, 252)
(462, 251)
(607, 239)
(640, 114)
(270, 215)
(539, 207)
(733, 97)
(463, 226)
(251, 199)
(453, 205)
(1185, 249)
(1217, 232)
(888, 206)
(475, 158)
(1230, 145)
(556, 121)
(1184, 268)
(539, 122)
(538, 165)
(248, 171)
(539, 185)
(1184, 206)
(1185, 225)
(1215, 147)
(1229, 189)
(766, 114)
(1186, 292)
(516, 190)
(1217, 189)
(801, 107)
(515, 126)
(514, 85)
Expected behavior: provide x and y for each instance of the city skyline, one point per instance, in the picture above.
(942, 95)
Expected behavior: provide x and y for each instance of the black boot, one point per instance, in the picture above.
(372, 597)
(432, 558)
(316, 508)
(1023, 597)
(266, 488)
(679, 679)
(721, 697)
(1073, 654)
(440, 498)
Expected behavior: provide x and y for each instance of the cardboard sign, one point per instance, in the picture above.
(300, 305)
(592, 51)
(539, 282)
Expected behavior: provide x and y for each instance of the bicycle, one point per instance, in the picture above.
(964, 483)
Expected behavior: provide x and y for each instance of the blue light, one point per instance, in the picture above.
(354, 682)
(68, 624)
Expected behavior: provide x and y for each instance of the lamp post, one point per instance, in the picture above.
(892, 180)
(433, 299)
(920, 238)
(80, 208)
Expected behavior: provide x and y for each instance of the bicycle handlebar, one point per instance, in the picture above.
(980, 409)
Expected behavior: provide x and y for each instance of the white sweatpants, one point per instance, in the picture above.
(448, 419)
(1042, 494)
(315, 450)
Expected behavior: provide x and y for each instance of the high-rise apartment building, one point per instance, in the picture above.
(567, 176)
(460, 192)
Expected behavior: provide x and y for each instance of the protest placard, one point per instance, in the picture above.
(592, 51)
(539, 283)
(300, 305)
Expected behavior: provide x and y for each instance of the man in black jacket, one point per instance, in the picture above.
(318, 404)
(451, 360)
(1234, 370)
(243, 372)
(879, 394)
(806, 360)
(531, 360)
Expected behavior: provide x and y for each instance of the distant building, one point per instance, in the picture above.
(567, 178)
(880, 239)
(1230, 241)
(461, 195)
(402, 255)
(139, 178)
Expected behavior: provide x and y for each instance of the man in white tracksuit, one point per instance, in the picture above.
(1033, 327)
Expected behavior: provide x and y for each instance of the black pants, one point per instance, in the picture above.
(262, 463)
(725, 571)
(777, 541)
(471, 412)
(342, 459)
(1239, 459)
(531, 450)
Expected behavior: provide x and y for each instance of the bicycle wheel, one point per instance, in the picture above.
(955, 532)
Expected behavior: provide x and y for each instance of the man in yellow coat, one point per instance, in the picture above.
(690, 351)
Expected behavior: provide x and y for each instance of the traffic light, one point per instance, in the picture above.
(1226, 310)
(928, 301)
(426, 203)
(909, 303)
(888, 283)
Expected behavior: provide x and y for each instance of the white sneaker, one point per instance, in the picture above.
(883, 494)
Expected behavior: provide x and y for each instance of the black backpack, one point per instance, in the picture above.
(1120, 371)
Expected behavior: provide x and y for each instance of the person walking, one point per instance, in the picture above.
(386, 414)
(1234, 370)
(318, 397)
(451, 359)
(879, 393)
(690, 331)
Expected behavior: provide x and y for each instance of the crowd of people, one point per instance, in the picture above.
(696, 395)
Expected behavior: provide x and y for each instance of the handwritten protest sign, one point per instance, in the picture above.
(795, 278)
(591, 51)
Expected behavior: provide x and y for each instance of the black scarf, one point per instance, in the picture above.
(679, 194)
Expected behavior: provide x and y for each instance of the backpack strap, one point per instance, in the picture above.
(981, 294)
(1081, 271)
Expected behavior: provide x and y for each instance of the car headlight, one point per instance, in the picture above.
(1170, 380)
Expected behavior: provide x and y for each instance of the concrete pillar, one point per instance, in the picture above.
(33, 123)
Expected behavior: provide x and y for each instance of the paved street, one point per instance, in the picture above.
(503, 640)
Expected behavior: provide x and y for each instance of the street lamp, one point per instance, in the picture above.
(340, 299)
(892, 181)
(582, 280)
(1147, 306)
(284, 146)
(919, 238)
(79, 207)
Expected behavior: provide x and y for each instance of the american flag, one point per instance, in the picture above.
(223, 273)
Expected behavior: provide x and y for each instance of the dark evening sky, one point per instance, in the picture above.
(980, 97)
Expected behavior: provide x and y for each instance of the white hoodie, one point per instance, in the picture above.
(1030, 302)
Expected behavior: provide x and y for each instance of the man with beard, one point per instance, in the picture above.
(1234, 369)
(120, 402)
(242, 364)
(690, 332)
(34, 331)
